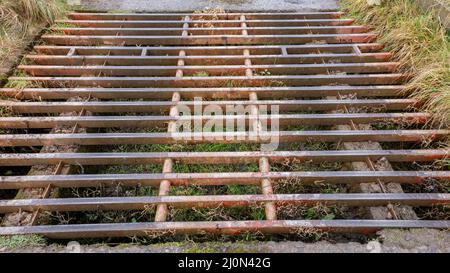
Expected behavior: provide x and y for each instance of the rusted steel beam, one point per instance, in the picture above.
(157, 121)
(218, 227)
(164, 106)
(212, 70)
(212, 201)
(209, 50)
(12, 140)
(207, 39)
(162, 210)
(216, 23)
(285, 30)
(204, 16)
(276, 80)
(213, 92)
(223, 178)
(24, 159)
(207, 60)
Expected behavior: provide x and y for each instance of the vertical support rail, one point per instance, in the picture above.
(264, 166)
(255, 125)
(243, 25)
(248, 62)
(164, 186)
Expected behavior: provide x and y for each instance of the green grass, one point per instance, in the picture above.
(19, 84)
(63, 25)
(201, 74)
(18, 241)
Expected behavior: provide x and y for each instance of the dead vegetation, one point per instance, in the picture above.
(212, 16)
(20, 21)
(419, 43)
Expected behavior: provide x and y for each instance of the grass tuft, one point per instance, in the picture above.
(20, 19)
(18, 241)
(419, 43)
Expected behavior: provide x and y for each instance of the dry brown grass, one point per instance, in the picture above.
(419, 43)
(447, 2)
(20, 20)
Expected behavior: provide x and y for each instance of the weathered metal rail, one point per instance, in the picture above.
(219, 227)
(200, 81)
(222, 178)
(212, 201)
(164, 106)
(149, 121)
(8, 140)
(25, 159)
(160, 64)
(207, 93)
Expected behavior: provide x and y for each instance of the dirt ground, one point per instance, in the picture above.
(228, 5)
(389, 241)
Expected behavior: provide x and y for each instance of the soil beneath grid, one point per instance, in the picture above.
(389, 241)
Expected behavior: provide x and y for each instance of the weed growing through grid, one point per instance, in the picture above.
(18, 241)
(201, 74)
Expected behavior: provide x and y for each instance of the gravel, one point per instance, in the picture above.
(189, 5)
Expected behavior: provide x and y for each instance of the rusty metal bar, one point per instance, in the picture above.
(204, 16)
(218, 23)
(212, 201)
(164, 186)
(212, 92)
(164, 189)
(150, 121)
(144, 31)
(208, 39)
(216, 81)
(164, 106)
(219, 227)
(213, 70)
(256, 126)
(10, 140)
(27, 159)
(224, 178)
(210, 50)
(267, 190)
(207, 60)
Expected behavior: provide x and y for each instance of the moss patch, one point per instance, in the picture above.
(18, 241)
